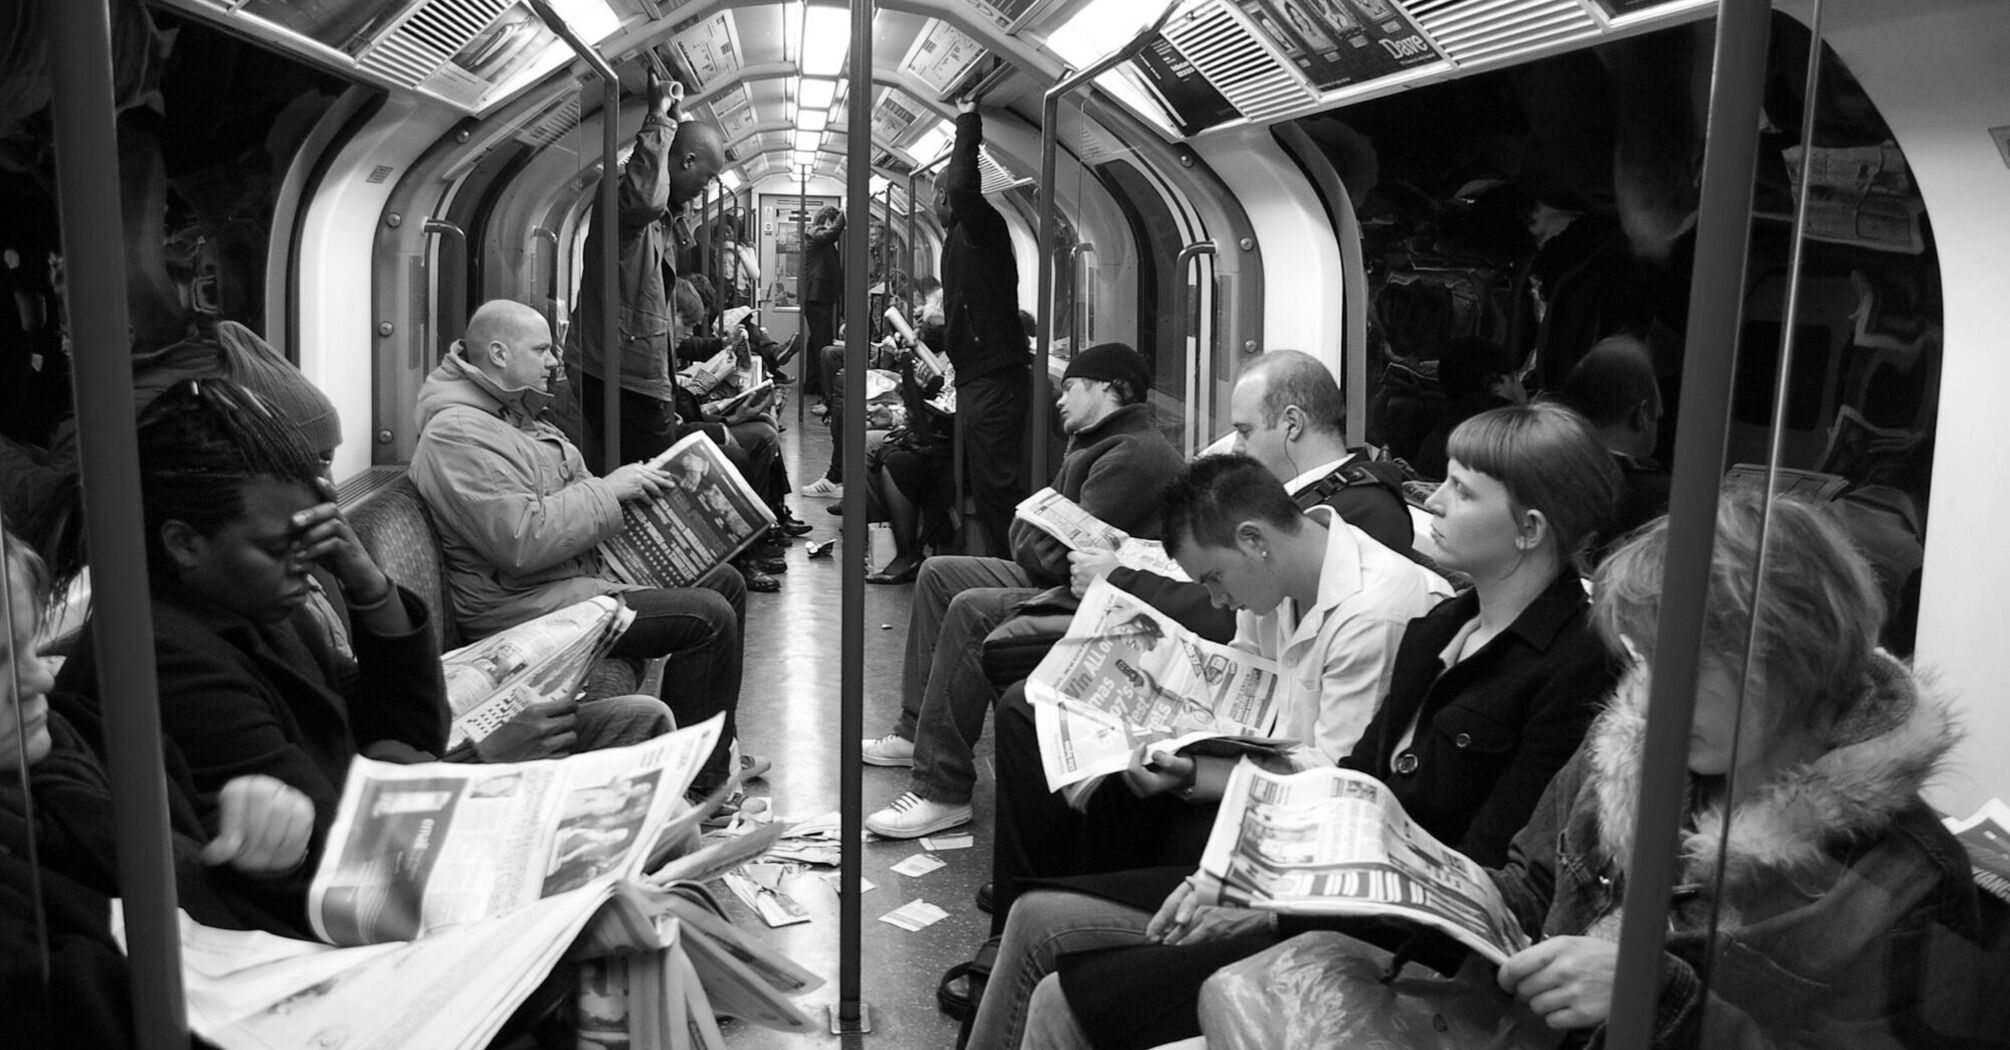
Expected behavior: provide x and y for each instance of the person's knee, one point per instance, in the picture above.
(618, 721)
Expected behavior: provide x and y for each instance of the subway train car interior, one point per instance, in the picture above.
(1603, 672)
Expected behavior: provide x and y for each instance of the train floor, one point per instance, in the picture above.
(789, 713)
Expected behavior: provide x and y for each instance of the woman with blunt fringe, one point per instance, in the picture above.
(1490, 694)
(1818, 912)
(241, 531)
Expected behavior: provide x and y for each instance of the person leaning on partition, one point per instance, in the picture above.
(668, 167)
(521, 520)
(241, 528)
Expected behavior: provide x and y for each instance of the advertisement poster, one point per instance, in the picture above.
(1340, 42)
(1191, 102)
(1616, 8)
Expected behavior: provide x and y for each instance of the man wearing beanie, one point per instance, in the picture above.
(1115, 464)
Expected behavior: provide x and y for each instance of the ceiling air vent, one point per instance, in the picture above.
(379, 173)
(997, 177)
(421, 42)
(1468, 31)
(1248, 71)
(553, 124)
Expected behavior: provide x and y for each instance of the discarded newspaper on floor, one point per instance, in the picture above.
(535, 662)
(1332, 841)
(1125, 674)
(455, 890)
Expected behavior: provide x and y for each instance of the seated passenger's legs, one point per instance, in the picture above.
(1047, 925)
(958, 696)
(941, 579)
(618, 721)
(1050, 1023)
(699, 628)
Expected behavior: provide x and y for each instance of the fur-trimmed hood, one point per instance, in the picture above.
(1887, 751)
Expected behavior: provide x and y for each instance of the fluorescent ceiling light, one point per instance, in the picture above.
(808, 141)
(812, 119)
(1100, 27)
(826, 37)
(877, 184)
(812, 93)
(730, 179)
(593, 20)
(792, 31)
(804, 160)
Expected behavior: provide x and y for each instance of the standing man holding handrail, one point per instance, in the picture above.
(985, 340)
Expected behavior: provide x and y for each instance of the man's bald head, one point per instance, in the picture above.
(510, 343)
(697, 155)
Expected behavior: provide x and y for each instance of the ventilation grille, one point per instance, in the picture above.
(1246, 69)
(1468, 31)
(996, 177)
(555, 123)
(426, 38)
(379, 173)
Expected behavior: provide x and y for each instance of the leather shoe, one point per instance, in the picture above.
(758, 581)
(759, 564)
(906, 575)
(790, 525)
(984, 897)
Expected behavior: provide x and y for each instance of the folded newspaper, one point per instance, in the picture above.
(709, 515)
(538, 661)
(1332, 841)
(1126, 674)
(1065, 520)
(1986, 836)
(448, 893)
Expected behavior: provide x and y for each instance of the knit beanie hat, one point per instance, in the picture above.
(1109, 362)
(252, 362)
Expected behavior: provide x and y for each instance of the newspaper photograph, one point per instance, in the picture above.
(538, 661)
(419, 847)
(707, 517)
(1065, 520)
(1335, 842)
(1126, 674)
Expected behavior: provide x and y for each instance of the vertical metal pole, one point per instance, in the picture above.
(852, 1014)
(610, 282)
(811, 354)
(1716, 296)
(87, 192)
(913, 246)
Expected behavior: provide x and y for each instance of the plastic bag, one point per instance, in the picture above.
(1325, 990)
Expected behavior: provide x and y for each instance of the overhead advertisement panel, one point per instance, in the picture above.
(940, 54)
(1003, 12)
(1180, 89)
(709, 50)
(1341, 42)
(1615, 8)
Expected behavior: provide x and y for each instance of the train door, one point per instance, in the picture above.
(783, 217)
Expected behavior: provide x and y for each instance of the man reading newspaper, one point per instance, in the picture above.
(1116, 461)
(522, 520)
(1313, 594)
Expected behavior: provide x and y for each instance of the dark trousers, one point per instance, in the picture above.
(1040, 837)
(993, 409)
(648, 426)
(699, 628)
(819, 331)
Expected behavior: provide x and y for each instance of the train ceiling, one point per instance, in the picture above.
(771, 73)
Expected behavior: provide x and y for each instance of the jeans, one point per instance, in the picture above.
(699, 628)
(1046, 925)
(618, 721)
(944, 694)
(993, 409)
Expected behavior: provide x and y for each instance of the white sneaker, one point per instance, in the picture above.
(889, 750)
(911, 816)
(823, 488)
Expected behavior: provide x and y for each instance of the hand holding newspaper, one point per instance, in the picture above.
(709, 516)
(1126, 674)
(1331, 841)
(458, 888)
(1065, 520)
(535, 662)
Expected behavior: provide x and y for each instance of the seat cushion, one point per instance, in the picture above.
(397, 531)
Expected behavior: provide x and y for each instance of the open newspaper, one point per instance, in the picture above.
(1332, 841)
(1125, 674)
(1067, 521)
(535, 662)
(709, 515)
(928, 363)
(450, 892)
